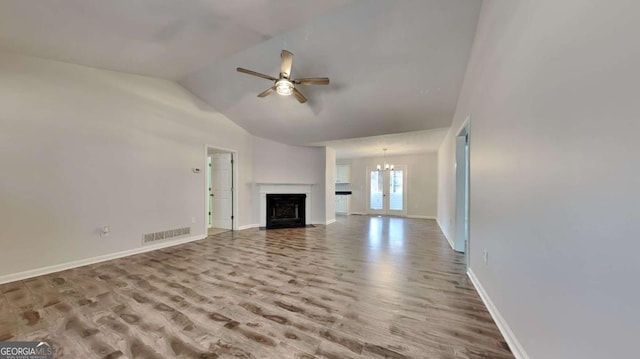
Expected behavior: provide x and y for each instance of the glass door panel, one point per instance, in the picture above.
(387, 191)
(396, 190)
(376, 191)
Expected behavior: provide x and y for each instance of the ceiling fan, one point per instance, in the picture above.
(284, 85)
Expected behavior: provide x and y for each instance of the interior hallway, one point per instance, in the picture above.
(365, 287)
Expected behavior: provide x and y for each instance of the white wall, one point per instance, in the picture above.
(422, 182)
(330, 184)
(81, 148)
(275, 162)
(447, 186)
(552, 90)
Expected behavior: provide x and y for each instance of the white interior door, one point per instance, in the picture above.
(209, 195)
(387, 191)
(221, 190)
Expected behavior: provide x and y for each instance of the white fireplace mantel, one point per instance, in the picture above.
(283, 188)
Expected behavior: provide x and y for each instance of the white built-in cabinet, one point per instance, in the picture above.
(343, 173)
(342, 204)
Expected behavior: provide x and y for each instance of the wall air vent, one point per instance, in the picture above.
(159, 236)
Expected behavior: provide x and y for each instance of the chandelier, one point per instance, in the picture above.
(384, 166)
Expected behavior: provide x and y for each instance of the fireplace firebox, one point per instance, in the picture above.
(286, 210)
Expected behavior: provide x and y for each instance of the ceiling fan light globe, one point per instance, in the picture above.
(284, 87)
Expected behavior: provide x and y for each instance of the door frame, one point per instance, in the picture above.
(209, 202)
(385, 200)
(234, 185)
(462, 175)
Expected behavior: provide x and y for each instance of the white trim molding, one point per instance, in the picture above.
(83, 262)
(446, 234)
(512, 341)
(235, 187)
(420, 217)
(248, 226)
(298, 188)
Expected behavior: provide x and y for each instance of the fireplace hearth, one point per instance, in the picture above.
(286, 210)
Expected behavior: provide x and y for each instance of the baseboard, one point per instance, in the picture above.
(512, 341)
(331, 221)
(446, 235)
(407, 216)
(83, 262)
(420, 217)
(248, 226)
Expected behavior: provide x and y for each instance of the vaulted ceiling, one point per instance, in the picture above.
(160, 38)
(395, 66)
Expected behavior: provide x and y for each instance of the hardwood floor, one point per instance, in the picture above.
(364, 287)
(213, 231)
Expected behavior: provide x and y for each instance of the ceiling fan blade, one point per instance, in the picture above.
(299, 96)
(249, 72)
(267, 92)
(285, 63)
(312, 81)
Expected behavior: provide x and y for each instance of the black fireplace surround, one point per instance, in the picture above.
(286, 210)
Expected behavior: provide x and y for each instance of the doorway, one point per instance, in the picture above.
(461, 243)
(220, 191)
(387, 191)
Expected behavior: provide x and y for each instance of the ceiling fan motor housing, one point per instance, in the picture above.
(284, 87)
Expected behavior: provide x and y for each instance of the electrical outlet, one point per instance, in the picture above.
(105, 231)
(193, 219)
(486, 257)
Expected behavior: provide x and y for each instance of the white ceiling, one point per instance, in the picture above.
(408, 143)
(395, 66)
(160, 38)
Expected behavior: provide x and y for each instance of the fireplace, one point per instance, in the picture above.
(286, 210)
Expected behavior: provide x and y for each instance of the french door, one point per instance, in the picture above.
(387, 191)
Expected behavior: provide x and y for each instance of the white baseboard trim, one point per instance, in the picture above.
(248, 226)
(446, 235)
(512, 341)
(420, 217)
(406, 216)
(83, 262)
(331, 221)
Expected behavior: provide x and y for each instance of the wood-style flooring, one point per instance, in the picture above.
(364, 287)
(213, 231)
